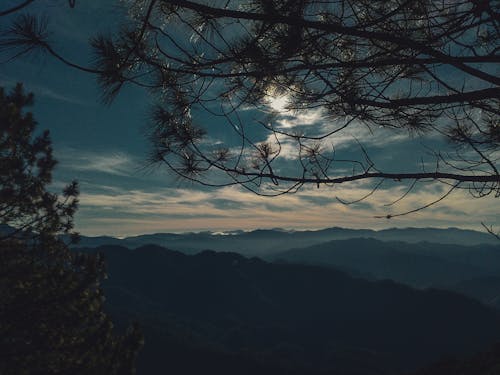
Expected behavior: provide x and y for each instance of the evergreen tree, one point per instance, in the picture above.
(421, 66)
(52, 317)
(25, 173)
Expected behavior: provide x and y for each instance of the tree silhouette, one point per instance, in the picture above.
(52, 316)
(25, 173)
(421, 66)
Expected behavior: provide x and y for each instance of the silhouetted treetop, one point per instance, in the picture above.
(423, 66)
(52, 316)
(26, 165)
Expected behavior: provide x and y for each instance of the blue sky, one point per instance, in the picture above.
(104, 148)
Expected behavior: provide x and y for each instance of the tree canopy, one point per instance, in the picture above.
(52, 317)
(425, 67)
(26, 165)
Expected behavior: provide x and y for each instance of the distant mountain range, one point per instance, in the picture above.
(454, 259)
(420, 264)
(224, 313)
(269, 242)
(420, 257)
(485, 289)
(314, 302)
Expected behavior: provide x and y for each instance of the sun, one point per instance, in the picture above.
(278, 103)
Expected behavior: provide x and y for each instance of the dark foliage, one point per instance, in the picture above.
(52, 316)
(423, 67)
(51, 304)
(26, 165)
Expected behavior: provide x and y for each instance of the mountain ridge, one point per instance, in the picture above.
(263, 242)
(307, 316)
(420, 264)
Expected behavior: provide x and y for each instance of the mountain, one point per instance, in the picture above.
(277, 317)
(421, 265)
(268, 242)
(436, 235)
(254, 243)
(485, 289)
(484, 363)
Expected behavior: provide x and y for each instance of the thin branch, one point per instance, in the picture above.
(420, 208)
(490, 230)
(15, 8)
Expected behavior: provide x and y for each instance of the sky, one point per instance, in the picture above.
(104, 147)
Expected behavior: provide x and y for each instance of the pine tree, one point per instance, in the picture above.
(52, 317)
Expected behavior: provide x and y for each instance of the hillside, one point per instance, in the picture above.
(485, 289)
(421, 265)
(284, 316)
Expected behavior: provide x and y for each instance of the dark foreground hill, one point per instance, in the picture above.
(483, 363)
(486, 289)
(221, 313)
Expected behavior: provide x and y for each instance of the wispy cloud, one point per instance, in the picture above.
(121, 212)
(42, 91)
(114, 163)
(48, 93)
(337, 132)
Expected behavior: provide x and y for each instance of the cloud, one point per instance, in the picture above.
(114, 163)
(342, 132)
(51, 94)
(304, 118)
(121, 212)
(42, 91)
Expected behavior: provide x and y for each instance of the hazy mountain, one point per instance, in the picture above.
(423, 264)
(485, 256)
(436, 235)
(485, 289)
(284, 316)
(470, 270)
(268, 242)
(257, 242)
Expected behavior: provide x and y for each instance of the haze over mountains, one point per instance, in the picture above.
(452, 259)
(267, 242)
